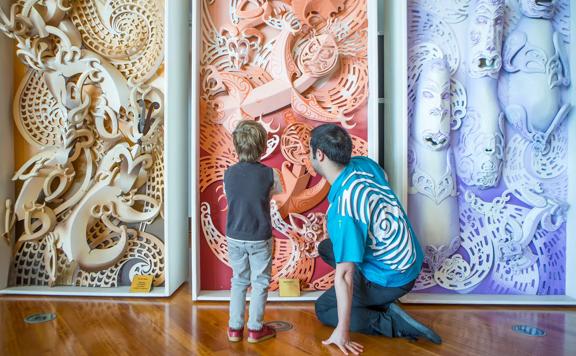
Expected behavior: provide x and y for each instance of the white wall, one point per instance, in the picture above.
(176, 157)
(394, 25)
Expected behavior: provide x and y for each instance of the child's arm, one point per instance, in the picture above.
(278, 185)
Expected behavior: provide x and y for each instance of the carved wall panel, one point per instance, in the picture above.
(89, 115)
(290, 65)
(498, 180)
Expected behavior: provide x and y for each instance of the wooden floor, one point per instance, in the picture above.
(176, 326)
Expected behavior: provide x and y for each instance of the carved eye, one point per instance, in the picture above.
(482, 20)
(445, 96)
(499, 21)
(427, 94)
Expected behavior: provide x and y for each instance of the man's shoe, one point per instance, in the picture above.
(255, 336)
(235, 335)
(406, 326)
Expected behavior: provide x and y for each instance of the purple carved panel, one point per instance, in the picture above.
(488, 199)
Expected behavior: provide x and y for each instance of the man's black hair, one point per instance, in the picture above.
(334, 141)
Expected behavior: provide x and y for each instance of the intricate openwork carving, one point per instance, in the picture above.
(534, 55)
(480, 151)
(91, 107)
(294, 252)
(485, 32)
(331, 52)
(295, 139)
(290, 65)
(510, 144)
(432, 180)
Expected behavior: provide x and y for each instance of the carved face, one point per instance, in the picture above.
(431, 126)
(310, 231)
(543, 9)
(485, 38)
(319, 56)
(489, 160)
(482, 153)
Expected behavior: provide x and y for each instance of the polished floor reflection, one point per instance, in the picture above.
(176, 326)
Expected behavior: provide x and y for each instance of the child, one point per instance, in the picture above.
(248, 186)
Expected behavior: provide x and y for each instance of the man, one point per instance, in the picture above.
(372, 247)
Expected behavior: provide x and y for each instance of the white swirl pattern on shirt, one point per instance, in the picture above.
(375, 205)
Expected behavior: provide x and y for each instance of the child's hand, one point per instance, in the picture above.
(278, 186)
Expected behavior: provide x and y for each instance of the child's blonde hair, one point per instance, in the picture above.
(249, 139)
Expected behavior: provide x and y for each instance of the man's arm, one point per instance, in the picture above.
(343, 283)
(344, 286)
(348, 236)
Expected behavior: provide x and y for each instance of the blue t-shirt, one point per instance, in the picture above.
(368, 226)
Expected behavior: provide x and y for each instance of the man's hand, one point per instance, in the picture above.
(341, 338)
(343, 283)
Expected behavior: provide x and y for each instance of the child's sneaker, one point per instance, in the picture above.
(255, 336)
(235, 335)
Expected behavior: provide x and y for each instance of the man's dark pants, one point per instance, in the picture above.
(369, 303)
